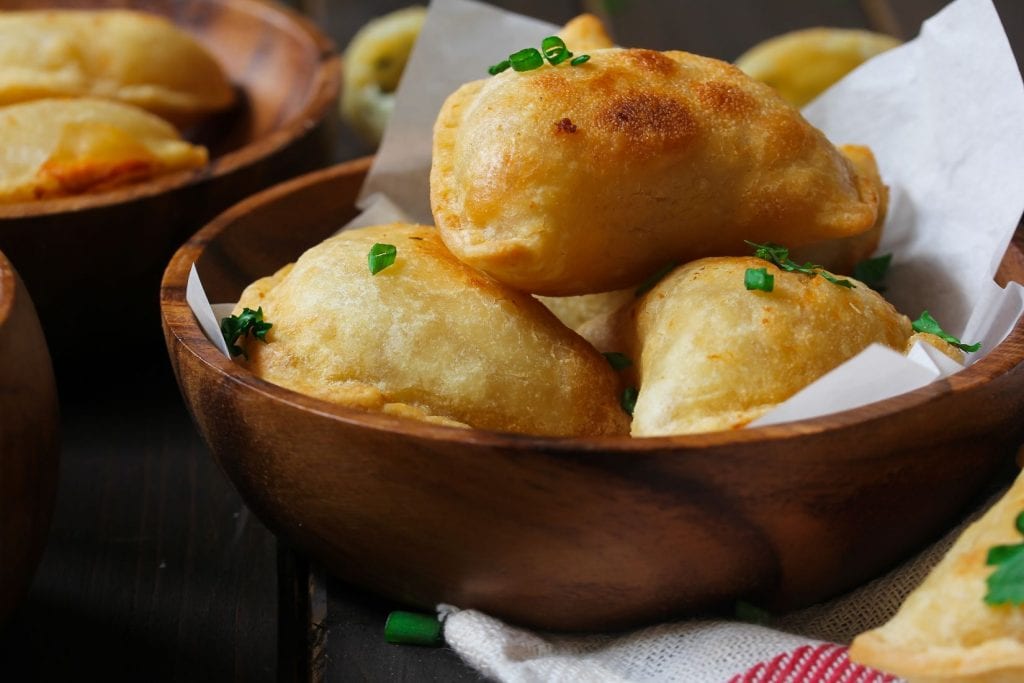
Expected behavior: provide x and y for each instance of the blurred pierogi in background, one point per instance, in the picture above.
(132, 57)
(60, 147)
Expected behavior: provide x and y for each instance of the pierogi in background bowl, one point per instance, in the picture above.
(253, 83)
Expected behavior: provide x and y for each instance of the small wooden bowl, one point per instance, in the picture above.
(99, 256)
(28, 439)
(576, 534)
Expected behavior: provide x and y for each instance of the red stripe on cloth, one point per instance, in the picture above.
(826, 663)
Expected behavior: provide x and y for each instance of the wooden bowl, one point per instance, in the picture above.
(108, 249)
(576, 534)
(28, 439)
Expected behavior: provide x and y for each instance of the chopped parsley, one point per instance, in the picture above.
(773, 253)
(926, 323)
(1006, 583)
(249, 321)
(618, 361)
(628, 400)
(381, 256)
(872, 271)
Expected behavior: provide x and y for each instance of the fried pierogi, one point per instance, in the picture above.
(712, 355)
(585, 32)
(427, 337)
(945, 630)
(59, 147)
(132, 57)
(574, 311)
(569, 180)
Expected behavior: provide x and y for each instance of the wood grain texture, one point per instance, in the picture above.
(111, 247)
(576, 533)
(154, 570)
(28, 439)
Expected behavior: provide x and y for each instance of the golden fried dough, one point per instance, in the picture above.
(803, 64)
(843, 254)
(945, 631)
(570, 180)
(711, 355)
(427, 337)
(132, 57)
(59, 147)
(574, 311)
(585, 32)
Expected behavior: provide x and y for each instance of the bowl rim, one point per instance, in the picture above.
(182, 326)
(8, 286)
(324, 90)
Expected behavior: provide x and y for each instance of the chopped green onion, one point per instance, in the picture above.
(929, 325)
(628, 400)
(526, 60)
(773, 253)
(410, 628)
(872, 271)
(241, 325)
(554, 50)
(759, 278)
(499, 67)
(580, 60)
(381, 256)
(618, 361)
(752, 614)
(656, 277)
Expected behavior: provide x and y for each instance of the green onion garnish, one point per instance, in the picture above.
(381, 256)
(618, 361)
(410, 628)
(236, 326)
(580, 60)
(1006, 583)
(499, 67)
(526, 60)
(926, 323)
(628, 400)
(773, 253)
(872, 271)
(554, 50)
(759, 278)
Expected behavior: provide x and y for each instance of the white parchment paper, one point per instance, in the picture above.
(944, 115)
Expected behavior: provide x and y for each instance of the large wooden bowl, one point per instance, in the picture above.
(28, 439)
(100, 256)
(576, 533)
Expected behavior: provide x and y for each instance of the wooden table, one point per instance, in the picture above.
(155, 570)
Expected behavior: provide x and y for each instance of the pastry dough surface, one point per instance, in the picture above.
(945, 631)
(712, 355)
(570, 180)
(427, 337)
(132, 57)
(60, 147)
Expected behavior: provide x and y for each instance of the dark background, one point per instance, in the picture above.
(155, 570)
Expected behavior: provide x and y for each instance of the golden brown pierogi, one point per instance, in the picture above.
(711, 355)
(945, 631)
(569, 180)
(427, 337)
(59, 147)
(132, 57)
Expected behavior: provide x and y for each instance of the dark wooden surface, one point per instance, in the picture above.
(154, 570)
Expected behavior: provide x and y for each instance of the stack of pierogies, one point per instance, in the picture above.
(89, 100)
(576, 184)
